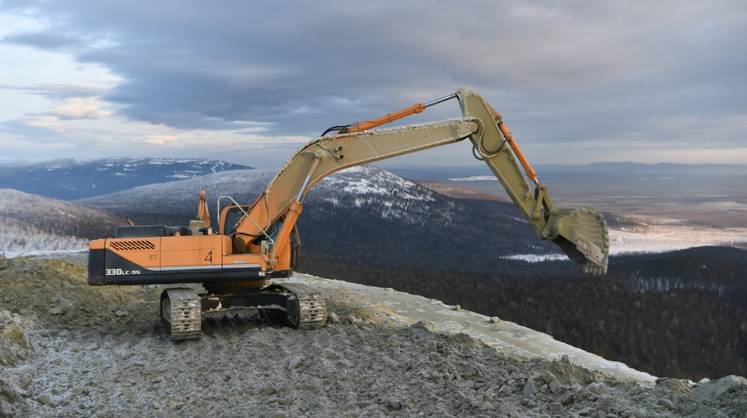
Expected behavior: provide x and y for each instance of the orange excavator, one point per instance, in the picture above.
(251, 244)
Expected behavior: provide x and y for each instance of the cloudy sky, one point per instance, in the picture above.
(249, 82)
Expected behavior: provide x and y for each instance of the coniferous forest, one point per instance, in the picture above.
(680, 314)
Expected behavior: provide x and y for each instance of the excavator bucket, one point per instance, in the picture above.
(582, 235)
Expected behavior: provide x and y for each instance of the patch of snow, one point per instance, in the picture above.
(43, 253)
(363, 180)
(474, 178)
(19, 239)
(356, 169)
(656, 239)
(536, 258)
(664, 238)
(333, 200)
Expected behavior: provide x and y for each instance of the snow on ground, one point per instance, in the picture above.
(18, 240)
(45, 253)
(667, 236)
(31, 223)
(535, 258)
(672, 237)
(369, 180)
(474, 178)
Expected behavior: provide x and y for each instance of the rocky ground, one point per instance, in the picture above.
(67, 349)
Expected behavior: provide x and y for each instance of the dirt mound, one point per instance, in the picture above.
(100, 351)
(56, 292)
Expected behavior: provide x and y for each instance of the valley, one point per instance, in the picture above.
(649, 207)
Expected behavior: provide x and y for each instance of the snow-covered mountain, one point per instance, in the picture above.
(31, 223)
(358, 188)
(71, 179)
(357, 215)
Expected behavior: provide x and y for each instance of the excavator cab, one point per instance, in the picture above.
(230, 217)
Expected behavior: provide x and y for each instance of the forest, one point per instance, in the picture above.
(680, 314)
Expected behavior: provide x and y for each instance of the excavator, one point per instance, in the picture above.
(252, 244)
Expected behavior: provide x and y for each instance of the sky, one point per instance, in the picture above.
(250, 82)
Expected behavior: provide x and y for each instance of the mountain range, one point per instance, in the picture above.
(622, 184)
(71, 179)
(354, 216)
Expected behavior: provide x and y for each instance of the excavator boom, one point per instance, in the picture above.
(580, 233)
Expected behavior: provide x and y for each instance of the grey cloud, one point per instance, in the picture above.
(44, 40)
(57, 91)
(31, 134)
(560, 71)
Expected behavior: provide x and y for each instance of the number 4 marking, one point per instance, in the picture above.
(209, 257)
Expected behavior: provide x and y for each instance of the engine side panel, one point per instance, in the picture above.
(195, 252)
(168, 260)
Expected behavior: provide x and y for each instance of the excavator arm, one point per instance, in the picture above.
(269, 222)
(580, 233)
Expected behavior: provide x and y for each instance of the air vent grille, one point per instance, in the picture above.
(133, 245)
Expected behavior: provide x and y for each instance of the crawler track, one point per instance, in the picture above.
(182, 308)
(311, 308)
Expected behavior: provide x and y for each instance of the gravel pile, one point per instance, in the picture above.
(113, 359)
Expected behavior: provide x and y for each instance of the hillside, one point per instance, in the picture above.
(100, 351)
(31, 223)
(71, 179)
